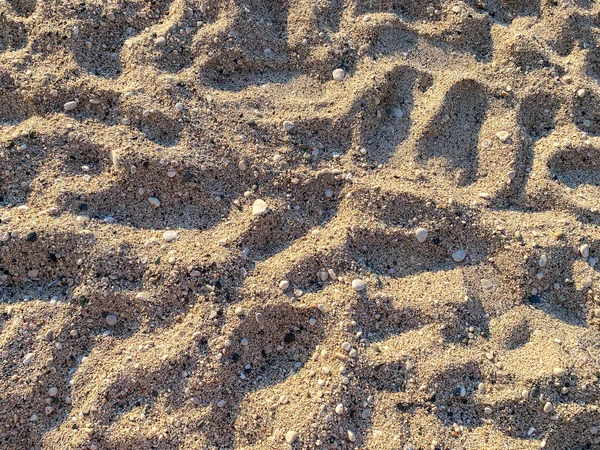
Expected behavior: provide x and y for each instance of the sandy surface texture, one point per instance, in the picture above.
(299, 224)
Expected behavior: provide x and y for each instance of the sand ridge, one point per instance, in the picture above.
(299, 224)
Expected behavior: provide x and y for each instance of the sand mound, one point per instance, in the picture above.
(299, 224)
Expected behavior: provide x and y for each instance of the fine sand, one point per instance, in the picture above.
(211, 237)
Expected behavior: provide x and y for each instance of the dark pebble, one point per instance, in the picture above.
(289, 337)
(31, 236)
(535, 299)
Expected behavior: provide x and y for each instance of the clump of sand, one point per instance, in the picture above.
(299, 224)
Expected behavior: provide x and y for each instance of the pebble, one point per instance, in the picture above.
(142, 296)
(70, 106)
(358, 285)
(31, 236)
(486, 284)
(548, 408)
(221, 403)
(487, 410)
(259, 207)
(259, 317)
(511, 175)
(503, 136)
(170, 235)
(28, 359)
(339, 74)
(284, 285)
(459, 255)
(559, 372)
(111, 319)
(291, 437)
(52, 392)
(543, 261)
(339, 409)
(584, 250)
(351, 436)
(288, 125)
(154, 201)
(239, 311)
(161, 41)
(481, 388)
(421, 234)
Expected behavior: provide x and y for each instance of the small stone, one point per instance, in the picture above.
(459, 255)
(52, 392)
(160, 41)
(548, 408)
(339, 409)
(487, 284)
(543, 261)
(142, 296)
(597, 312)
(511, 175)
(111, 319)
(456, 9)
(351, 436)
(559, 372)
(525, 394)
(239, 311)
(259, 318)
(221, 403)
(346, 346)
(584, 250)
(481, 388)
(284, 285)
(259, 207)
(503, 136)
(28, 359)
(288, 125)
(581, 93)
(170, 235)
(358, 285)
(154, 201)
(339, 74)
(291, 437)
(70, 106)
(487, 410)
(31, 236)
(421, 234)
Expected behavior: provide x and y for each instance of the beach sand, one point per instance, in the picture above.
(299, 224)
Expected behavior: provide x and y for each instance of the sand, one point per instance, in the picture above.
(299, 224)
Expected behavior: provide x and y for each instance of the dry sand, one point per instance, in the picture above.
(213, 238)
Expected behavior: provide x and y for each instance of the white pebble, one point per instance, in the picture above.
(421, 234)
(503, 136)
(548, 408)
(161, 41)
(291, 437)
(288, 125)
(584, 250)
(28, 359)
(339, 74)
(487, 284)
(170, 235)
(52, 392)
(339, 409)
(259, 207)
(284, 285)
(70, 106)
(154, 201)
(358, 285)
(559, 372)
(351, 436)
